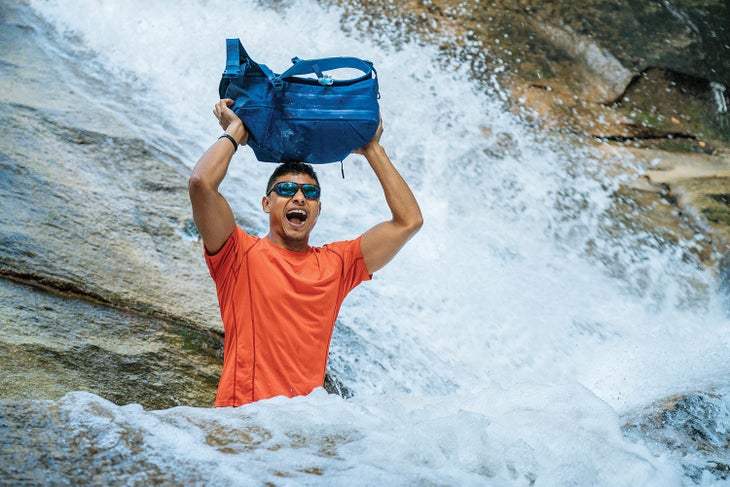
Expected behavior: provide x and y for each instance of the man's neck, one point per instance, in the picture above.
(293, 245)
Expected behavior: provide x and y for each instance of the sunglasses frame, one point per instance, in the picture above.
(306, 189)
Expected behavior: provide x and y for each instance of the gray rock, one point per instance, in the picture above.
(89, 209)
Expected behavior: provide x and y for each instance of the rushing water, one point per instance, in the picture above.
(506, 345)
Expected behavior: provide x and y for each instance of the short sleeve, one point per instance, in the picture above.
(353, 265)
(230, 255)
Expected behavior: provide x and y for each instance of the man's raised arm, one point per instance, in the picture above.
(211, 212)
(381, 243)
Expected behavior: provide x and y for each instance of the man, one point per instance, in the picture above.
(279, 297)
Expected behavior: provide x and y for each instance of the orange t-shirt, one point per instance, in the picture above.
(279, 309)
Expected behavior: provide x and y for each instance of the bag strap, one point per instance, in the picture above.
(318, 66)
(238, 60)
(236, 56)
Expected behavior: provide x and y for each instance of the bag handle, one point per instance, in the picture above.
(238, 60)
(318, 66)
(236, 56)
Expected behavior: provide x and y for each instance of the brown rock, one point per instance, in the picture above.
(647, 76)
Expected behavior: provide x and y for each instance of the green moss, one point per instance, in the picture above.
(648, 118)
(717, 215)
(717, 208)
(723, 198)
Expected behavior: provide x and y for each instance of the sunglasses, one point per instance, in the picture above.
(289, 188)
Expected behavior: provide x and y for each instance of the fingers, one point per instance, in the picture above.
(379, 131)
(223, 113)
(374, 141)
(221, 107)
(229, 121)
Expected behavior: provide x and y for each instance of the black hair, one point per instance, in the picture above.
(291, 167)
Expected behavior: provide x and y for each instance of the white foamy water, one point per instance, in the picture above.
(495, 349)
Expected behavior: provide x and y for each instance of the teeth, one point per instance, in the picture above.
(298, 214)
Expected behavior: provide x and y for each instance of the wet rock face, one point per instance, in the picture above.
(52, 345)
(87, 207)
(89, 213)
(102, 219)
(693, 426)
(581, 52)
(651, 78)
(680, 36)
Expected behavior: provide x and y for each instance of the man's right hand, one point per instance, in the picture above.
(229, 121)
(373, 142)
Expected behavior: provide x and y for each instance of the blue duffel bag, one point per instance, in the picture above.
(303, 114)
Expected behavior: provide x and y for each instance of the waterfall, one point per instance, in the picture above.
(500, 346)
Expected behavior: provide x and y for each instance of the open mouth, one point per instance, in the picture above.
(296, 216)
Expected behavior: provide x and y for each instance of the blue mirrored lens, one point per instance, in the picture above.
(310, 191)
(289, 188)
(286, 189)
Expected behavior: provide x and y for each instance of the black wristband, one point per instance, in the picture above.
(233, 141)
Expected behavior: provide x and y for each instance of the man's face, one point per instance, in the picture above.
(291, 218)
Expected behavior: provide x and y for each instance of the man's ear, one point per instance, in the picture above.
(266, 204)
(319, 208)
